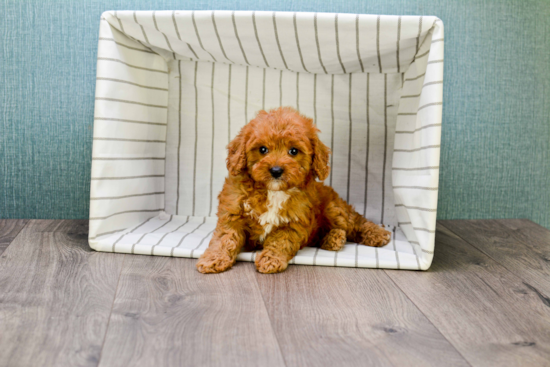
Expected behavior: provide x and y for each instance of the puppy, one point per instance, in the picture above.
(272, 200)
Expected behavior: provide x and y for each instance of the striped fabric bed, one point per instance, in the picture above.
(174, 87)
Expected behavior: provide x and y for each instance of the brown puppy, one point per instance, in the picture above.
(272, 199)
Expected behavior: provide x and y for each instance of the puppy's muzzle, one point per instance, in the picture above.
(276, 171)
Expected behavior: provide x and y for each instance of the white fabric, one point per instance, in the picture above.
(173, 88)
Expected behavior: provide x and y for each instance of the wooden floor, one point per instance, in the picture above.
(484, 302)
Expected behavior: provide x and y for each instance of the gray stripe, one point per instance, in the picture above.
(132, 231)
(400, 223)
(179, 37)
(237, 35)
(127, 82)
(378, 43)
(335, 258)
(298, 91)
(125, 46)
(229, 107)
(317, 42)
(263, 90)
(246, 98)
(127, 159)
(126, 101)
(179, 141)
(368, 147)
(338, 43)
(349, 140)
(132, 66)
(385, 145)
(411, 96)
(119, 22)
(422, 55)
(213, 138)
(199, 37)
(131, 140)
(315, 98)
(398, 40)
(124, 178)
(142, 29)
(130, 121)
(407, 114)
(129, 211)
(277, 39)
(196, 137)
(415, 169)
(146, 233)
(187, 234)
(424, 229)
(127, 196)
(429, 105)
(106, 233)
(258, 38)
(428, 252)
(298, 43)
(166, 234)
(332, 129)
(416, 207)
(419, 32)
(315, 255)
(415, 78)
(432, 83)
(417, 149)
(437, 40)
(219, 39)
(377, 259)
(356, 255)
(435, 61)
(417, 188)
(200, 243)
(358, 52)
(165, 37)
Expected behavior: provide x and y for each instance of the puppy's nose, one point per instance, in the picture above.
(276, 171)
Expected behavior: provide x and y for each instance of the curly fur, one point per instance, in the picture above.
(285, 214)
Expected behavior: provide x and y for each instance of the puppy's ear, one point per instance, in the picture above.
(321, 154)
(236, 155)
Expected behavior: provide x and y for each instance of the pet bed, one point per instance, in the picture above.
(174, 87)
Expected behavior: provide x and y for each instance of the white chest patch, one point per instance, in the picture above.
(272, 217)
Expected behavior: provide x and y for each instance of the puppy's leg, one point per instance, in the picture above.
(336, 215)
(280, 246)
(223, 249)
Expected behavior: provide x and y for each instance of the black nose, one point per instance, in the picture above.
(276, 171)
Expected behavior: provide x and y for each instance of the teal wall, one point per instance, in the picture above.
(496, 136)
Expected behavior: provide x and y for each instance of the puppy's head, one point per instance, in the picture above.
(280, 149)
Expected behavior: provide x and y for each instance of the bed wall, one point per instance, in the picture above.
(495, 157)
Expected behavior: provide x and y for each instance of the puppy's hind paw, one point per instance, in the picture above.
(214, 262)
(334, 240)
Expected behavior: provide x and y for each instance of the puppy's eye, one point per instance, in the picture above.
(293, 151)
(264, 150)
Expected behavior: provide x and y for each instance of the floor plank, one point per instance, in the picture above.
(9, 229)
(166, 313)
(521, 246)
(55, 296)
(325, 316)
(490, 315)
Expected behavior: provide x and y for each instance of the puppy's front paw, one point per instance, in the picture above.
(269, 262)
(214, 262)
(376, 236)
(334, 240)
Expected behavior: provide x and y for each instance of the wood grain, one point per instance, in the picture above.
(325, 316)
(166, 313)
(490, 315)
(55, 296)
(9, 229)
(521, 246)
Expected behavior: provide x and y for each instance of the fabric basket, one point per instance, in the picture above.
(174, 87)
